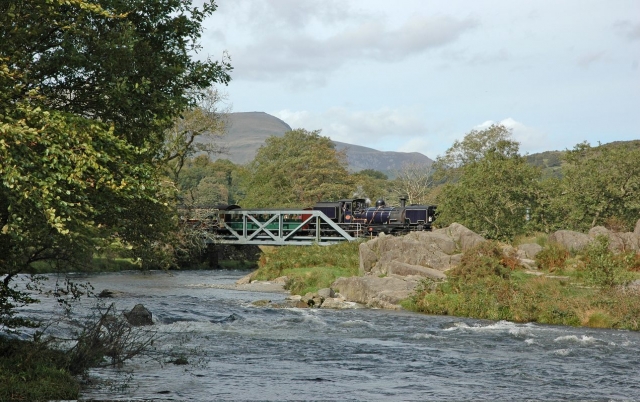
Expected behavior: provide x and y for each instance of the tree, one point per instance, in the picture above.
(196, 130)
(206, 183)
(414, 181)
(372, 184)
(296, 170)
(472, 148)
(87, 91)
(599, 184)
(126, 62)
(373, 174)
(495, 192)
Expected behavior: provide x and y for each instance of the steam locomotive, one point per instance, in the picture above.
(379, 218)
(354, 215)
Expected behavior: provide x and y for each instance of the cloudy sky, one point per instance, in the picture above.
(414, 75)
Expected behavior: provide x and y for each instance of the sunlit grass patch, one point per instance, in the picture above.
(309, 268)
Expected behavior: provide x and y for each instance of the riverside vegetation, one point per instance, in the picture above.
(584, 288)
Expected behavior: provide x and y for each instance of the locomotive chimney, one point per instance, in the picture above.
(403, 202)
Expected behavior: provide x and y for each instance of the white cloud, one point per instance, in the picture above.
(282, 54)
(384, 129)
(531, 139)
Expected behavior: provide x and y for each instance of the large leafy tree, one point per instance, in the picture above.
(474, 146)
(87, 90)
(204, 184)
(600, 184)
(296, 170)
(495, 191)
(126, 62)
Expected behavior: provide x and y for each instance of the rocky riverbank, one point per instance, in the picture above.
(391, 268)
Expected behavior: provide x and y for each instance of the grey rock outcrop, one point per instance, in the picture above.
(439, 250)
(391, 267)
(139, 316)
(463, 237)
(618, 241)
(372, 291)
(403, 269)
(570, 240)
(529, 250)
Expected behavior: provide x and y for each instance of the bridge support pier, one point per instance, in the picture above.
(212, 256)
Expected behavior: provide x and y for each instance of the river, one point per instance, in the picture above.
(361, 354)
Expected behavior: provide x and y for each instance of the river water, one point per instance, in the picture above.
(373, 355)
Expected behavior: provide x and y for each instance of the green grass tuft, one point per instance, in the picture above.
(30, 371)
(309, 268)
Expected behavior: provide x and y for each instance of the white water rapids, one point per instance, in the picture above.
(373, 355)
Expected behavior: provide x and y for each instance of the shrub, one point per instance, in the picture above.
(552, 257)
(604, 268)
(33, 371)
(485, 259)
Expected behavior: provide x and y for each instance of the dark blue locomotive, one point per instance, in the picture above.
(379, 218)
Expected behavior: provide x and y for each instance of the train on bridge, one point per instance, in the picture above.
(325, 222)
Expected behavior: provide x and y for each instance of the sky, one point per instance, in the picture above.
(416, 75)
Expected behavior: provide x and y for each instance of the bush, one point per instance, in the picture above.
(552, 257)
(603, 268)
(32, 371)
(485, 259)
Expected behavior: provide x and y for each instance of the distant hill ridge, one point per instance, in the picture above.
(247, 131)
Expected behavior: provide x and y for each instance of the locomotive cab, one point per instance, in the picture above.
(342, 211)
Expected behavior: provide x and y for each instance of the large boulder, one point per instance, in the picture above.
(373, 291)
(529, 250)
(464, 238)
(630, 241)
(438, 250)
(570, 240)
(636, 231)
(618, 241)
(139, 316)
(439, 241)
(368, 258)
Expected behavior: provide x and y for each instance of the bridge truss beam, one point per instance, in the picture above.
(285, 227)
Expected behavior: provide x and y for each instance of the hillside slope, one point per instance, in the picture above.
(247, 131)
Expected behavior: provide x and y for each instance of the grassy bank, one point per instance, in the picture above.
(309, 268)
(30, 371)
(586, 289)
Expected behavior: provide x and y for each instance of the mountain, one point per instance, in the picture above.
(551, 161)
(247, 131)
